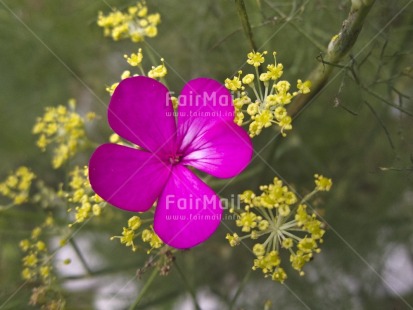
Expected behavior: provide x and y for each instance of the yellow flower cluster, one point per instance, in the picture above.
(63, 127)
(135, 23)
(135, 60)
(17, 185)
(81, 194)
(265, 104)
(158, 72)
(279, 221)
(38, 268)
(323, 183)
(36, 262)
(130, 233)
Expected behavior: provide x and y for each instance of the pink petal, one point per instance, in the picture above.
(128, 178)
(205, 98)
(141, 111)
(188, 211)
(222, 149)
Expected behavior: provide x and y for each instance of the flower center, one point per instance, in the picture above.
(175, 159)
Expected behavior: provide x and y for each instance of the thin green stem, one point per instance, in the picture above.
(144, 289)
(288, 225)
(188, 286)
(292, 236)
(376, 95)
(337, 49)
(257, 72)
(246, 26)
(245, 176)
(148, 51)
(299, 28)
(103, 271)
(80, 255)
(308, 197)
(240, 289)
(141, 70)
(4, 208)
(255, 91)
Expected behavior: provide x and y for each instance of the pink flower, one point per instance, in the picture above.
(203, 136)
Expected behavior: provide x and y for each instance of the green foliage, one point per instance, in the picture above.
(357, 130)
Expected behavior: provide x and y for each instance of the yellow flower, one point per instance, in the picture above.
(135, 23)
(275, 71)
(149, 236)
(279, 275)
(233, 239)
(285, 124)
(111, 89)
(30, 260)
(36, 232)
(114, 138)
(45, 271)
(252, 109)
(239, 117)
(125, 74)
(304, 87)
(151, 31)
(40, 245)
(283, 224)
(248, 79)
(247, 196)
(63, 128)
(263, 225)
(159, 71)
(258, 250)
(128, 235)
(282, 86)
(264, 77)
(27, 274)
(254, 129)
(135, 59)
(287, 243)
(17, 185)
(267, 99)
(323, 183)
(24, 245)
(247, 221)
(256, 58)
(88, 204)
(154, 19)
(134, 222)
(234, 83)
(96, 210)
(264, 118)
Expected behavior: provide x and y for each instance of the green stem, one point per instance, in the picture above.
(255, 90)
(4, 208)
(296, 27)
(338, 47)
(148, 51)
(308, 197)
(144, 289)
(80, 255)
(246, 26)
(188, 286)
(141, 70)
(378, 96)
(103, 271)
(242, 177)
(257, 72)
(240, 289)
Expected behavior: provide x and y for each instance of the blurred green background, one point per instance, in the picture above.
(51, 51)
